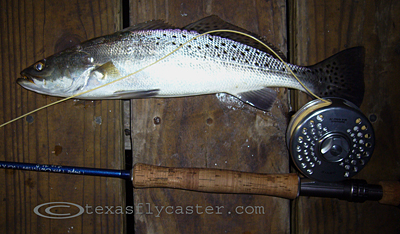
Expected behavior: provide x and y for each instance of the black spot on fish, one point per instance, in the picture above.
(173, 36)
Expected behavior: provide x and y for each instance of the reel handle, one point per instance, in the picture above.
(215, 180)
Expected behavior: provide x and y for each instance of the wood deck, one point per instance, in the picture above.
(211, 131)
(73, 133)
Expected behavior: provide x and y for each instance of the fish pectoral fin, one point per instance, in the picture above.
(262, 98)
(129, 94)
(107, 69)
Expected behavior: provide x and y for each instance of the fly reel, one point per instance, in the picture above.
(330, 141)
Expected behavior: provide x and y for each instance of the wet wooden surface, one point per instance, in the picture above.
(320, 29)
(212, 131)
(74, 133)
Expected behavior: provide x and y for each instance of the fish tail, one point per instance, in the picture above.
(341, 75)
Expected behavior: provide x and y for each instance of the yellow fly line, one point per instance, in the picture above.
(167, 55)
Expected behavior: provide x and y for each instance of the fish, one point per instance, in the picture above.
(220, 62)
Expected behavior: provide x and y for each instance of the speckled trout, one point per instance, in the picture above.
(211, 63)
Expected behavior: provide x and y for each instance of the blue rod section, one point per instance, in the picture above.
(123, 174)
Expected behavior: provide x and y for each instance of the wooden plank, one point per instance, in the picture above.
(212, 131)
(320, 29)
(73, 133)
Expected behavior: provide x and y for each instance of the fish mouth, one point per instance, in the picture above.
(25, 79)
(28, 82)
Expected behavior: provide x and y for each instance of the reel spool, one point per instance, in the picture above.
(330, 141)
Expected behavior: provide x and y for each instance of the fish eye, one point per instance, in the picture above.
(39, 66)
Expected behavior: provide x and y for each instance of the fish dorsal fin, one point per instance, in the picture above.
(107, 69)
(149, 25)
(213, 22)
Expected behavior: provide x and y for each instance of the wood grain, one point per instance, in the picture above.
(73, 133)
(320, 29)
(211, 131)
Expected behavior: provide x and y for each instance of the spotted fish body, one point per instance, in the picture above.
(207, 64)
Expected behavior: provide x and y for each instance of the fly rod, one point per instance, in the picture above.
(287, 186)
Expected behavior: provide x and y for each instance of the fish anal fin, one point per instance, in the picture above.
(262, 99)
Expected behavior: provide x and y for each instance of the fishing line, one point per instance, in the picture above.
(164, 57)
(265, 45)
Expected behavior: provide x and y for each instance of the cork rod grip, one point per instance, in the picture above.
(391, 193)
(215, 180)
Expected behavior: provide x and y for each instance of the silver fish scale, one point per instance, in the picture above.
(235, 55)
(194, 69)
(208, 64)
(220, 50)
